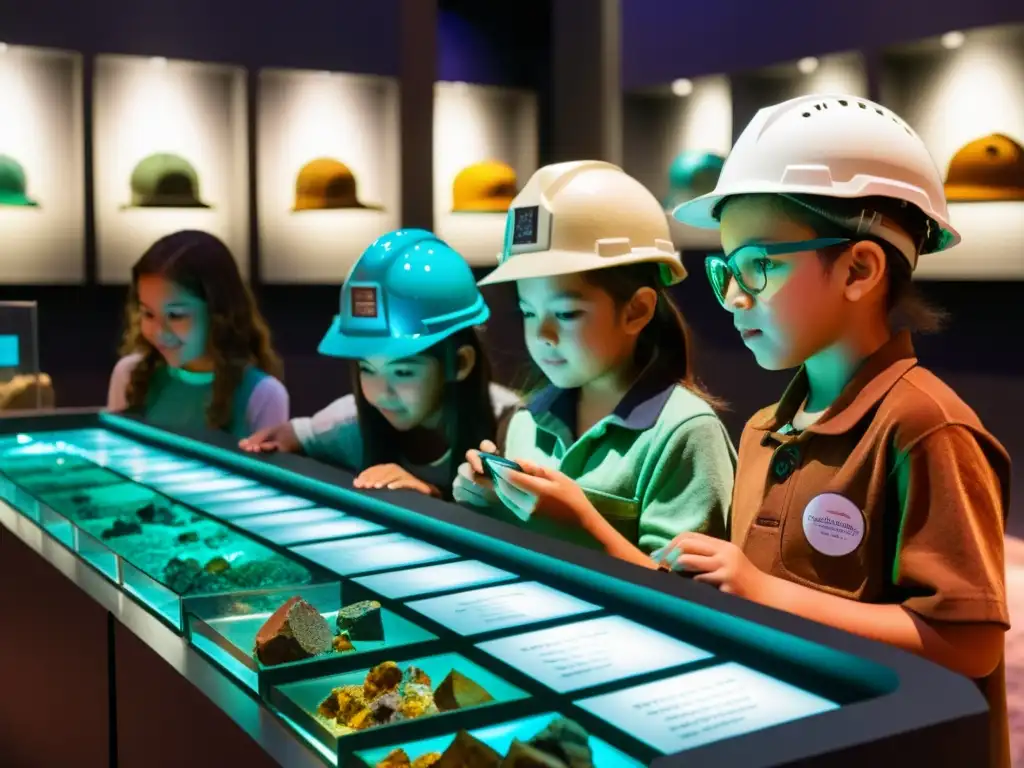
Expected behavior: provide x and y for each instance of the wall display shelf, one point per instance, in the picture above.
(962, 95)
(485, 149)
(675, 138)
(42, 166)
(328, 171)
(170, 152)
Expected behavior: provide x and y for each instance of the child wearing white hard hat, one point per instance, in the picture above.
(870, 497)
(621, 450)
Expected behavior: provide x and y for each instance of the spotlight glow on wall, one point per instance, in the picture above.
(952, 40)
(3, 47)
(807, 65)
(682, 87)
(158, 62)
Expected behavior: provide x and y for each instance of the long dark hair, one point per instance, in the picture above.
(667, 334)
(467, 412)
(238, 335)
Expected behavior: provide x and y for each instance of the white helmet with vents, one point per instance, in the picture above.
(833, 146)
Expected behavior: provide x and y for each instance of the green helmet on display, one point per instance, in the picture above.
(13, 184)
(692, 174)
(407, 292)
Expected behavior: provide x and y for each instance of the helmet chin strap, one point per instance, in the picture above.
(869, 223)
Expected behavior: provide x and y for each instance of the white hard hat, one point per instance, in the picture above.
(580, 216)
(833, 146)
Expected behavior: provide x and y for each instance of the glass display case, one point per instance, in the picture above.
(22, 386)
(393, 630)
(86, 489)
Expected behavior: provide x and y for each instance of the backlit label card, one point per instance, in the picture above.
(588, 653)
(280, 503)
(689, 710)
(372, 553)
(493, 608)
(10, 355)
(286, 535)
(434, 578)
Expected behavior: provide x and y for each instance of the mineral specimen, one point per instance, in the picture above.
(567, 741)
(466, 751)
(181, 575)
(426, 760)
(383, 678)
(362, 621)
(121, 528)
(294, 632)
(522, 755)
(343, 703)
(342, 644)
(188, 537)
(458, 692)
(217, 565)
(396, 758)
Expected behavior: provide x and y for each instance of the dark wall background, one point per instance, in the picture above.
(80, 326)
(665, 40)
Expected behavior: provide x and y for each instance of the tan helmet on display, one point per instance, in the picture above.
(833, 146)
(580, 216)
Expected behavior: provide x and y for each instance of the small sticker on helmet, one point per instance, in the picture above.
(364, 302)
(525, 225)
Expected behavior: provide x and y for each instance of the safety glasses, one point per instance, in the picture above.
(749, 264)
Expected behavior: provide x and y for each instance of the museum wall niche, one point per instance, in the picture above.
(675, 138)
(42, 184)
(170, 152)
(844, 73)
(485, 149)
(328, 171)
(22, 386)
(963, 94)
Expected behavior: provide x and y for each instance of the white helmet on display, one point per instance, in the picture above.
(833, 146)
(580, 216)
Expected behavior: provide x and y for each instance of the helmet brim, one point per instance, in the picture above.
(526, 266)
(337, 343)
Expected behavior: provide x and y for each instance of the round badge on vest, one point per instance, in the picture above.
(833, 524)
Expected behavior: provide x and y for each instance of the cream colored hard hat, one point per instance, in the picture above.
(580, 216)
(833, 146)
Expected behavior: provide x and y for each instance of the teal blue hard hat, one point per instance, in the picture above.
(692, 174)
(407, 292)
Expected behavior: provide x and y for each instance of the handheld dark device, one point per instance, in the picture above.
(492, 460)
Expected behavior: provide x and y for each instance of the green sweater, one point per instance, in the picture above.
(660, 465)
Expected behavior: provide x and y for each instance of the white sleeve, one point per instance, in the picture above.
(120, 378)
(332, 433)
(268, 405)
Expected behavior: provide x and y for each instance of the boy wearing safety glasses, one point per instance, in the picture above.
(870, 497)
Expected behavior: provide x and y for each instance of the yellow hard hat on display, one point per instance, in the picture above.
(580, 216)
(327, 184)
(486, 187)
(988, 169)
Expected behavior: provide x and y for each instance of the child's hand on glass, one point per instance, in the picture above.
(393, 478)
(281, 438)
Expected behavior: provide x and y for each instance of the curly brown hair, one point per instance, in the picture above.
(238, 337)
